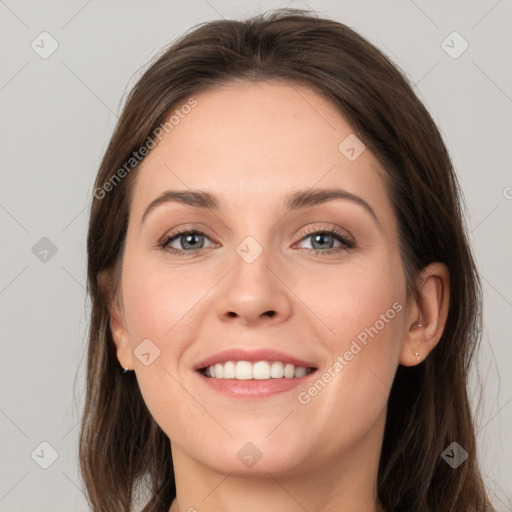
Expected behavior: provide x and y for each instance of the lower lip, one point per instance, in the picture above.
(253, 388)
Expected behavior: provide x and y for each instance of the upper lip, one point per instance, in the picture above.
(243, 354)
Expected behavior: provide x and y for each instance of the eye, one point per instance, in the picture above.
(322, 241)
(191, 241)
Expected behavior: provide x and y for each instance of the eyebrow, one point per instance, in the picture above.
(295, 200)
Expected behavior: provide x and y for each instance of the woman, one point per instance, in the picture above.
(284, 302)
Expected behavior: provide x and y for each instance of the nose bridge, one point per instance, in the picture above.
(252, 289)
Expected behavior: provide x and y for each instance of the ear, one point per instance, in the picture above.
(118, 328)
(426, 314)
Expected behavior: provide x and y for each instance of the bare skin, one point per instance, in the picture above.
(250, 145)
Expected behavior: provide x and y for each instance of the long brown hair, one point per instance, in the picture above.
(123, 452)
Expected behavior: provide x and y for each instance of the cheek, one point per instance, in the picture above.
(157, 302)
(353, 299)
(159, 309)
(361, 315)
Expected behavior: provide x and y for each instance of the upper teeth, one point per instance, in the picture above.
(245, 370)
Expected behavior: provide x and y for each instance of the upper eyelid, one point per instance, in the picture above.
(311, 231)
(205, 231)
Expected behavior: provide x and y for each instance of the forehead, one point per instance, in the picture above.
(251, 143)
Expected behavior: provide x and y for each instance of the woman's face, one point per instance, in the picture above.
(253, 278)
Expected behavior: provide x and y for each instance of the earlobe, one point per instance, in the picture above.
(427, 315)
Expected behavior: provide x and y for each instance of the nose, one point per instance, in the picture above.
(255, 292)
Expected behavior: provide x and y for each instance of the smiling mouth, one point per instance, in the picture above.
(259, 370)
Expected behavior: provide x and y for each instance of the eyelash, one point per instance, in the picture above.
(186, 231)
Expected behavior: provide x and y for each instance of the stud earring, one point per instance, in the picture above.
(126, 370)
(418, 357)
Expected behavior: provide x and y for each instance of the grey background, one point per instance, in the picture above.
(57, 117)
